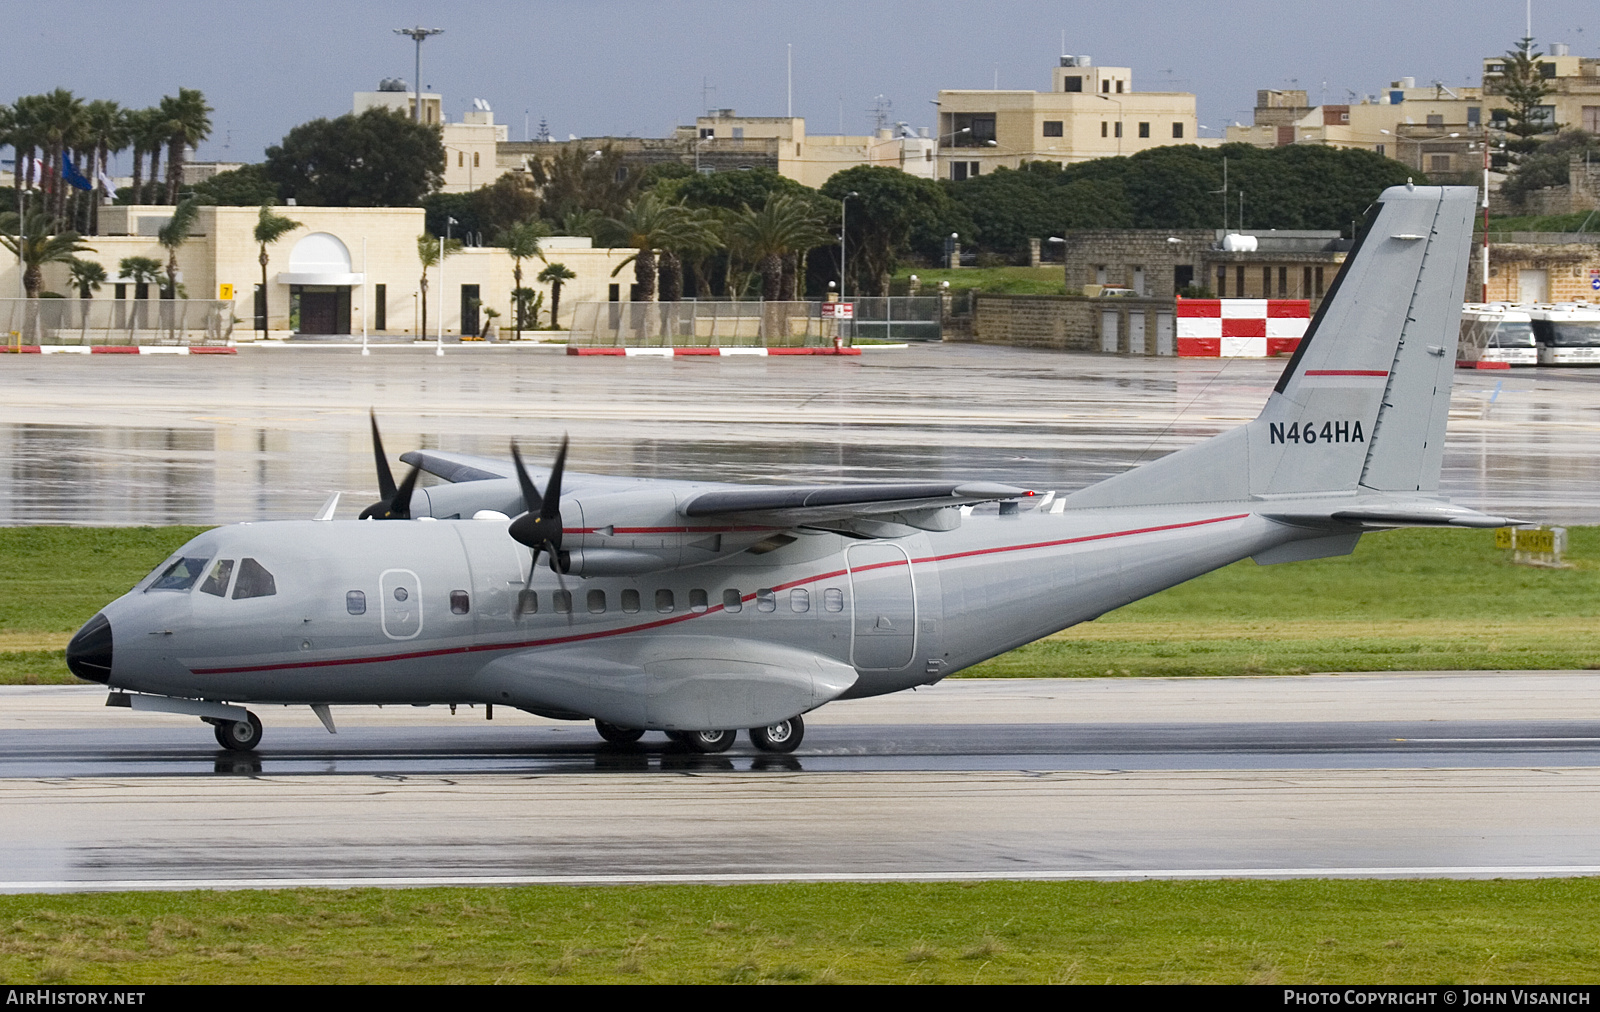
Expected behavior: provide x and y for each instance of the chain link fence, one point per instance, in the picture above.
(116, 321)
(691, 324)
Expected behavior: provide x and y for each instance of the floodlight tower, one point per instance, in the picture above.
(419, 33)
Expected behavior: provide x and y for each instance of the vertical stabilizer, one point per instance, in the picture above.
(1362, 404)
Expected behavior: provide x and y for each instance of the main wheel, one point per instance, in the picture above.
(239, 735)
(784, 736)
(618, 735)
(710, 741)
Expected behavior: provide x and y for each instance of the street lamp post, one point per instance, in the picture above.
(843, 203)
(1118, 103)
(419, 33)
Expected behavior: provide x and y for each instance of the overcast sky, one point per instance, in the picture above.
(638, 68)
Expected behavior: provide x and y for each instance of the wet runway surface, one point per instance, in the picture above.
(186, 750)
(267, 434)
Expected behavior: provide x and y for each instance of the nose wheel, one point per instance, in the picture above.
(784, 736)
(618, 735)
(710, 742)
(239, 735)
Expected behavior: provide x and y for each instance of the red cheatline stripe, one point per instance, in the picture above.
(671, 530)
(1347, 372)
(712, 610)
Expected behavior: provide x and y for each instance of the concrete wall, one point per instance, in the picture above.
(1067, 322)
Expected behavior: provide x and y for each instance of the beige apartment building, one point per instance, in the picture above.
(1089, 112)
(343, 270)
(470, 145)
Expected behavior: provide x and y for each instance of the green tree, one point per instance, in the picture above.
(774, 238)
(270, 227)
(431, 249)
(185, 122)
(554, 275)
(246, 186)
(521, 242)
(38, 244)
(86, 276)
(890, 208)
(574, 179)
(1524, 87)
(109, 132)
(377, 159)
(174, 234)
(646, 225)
(505, 203)
(142, 271)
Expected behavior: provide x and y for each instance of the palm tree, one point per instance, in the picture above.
(60, 123)
(270, 227)
(174, 234)
(109, 131)
(521, 241)
(186, 122)
(23, 134)
(785, 227)
(37, 246)
(87, 276)
(646, 225)
(430, 252)
(142, 272)
(554, 275)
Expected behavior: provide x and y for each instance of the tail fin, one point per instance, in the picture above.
(1362, 404)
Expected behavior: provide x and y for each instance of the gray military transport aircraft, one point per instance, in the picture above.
(699, 608)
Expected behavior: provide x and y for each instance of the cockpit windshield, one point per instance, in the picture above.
(180, 575)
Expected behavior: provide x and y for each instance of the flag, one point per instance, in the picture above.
(110, 187)
(32, 172)
(70, 173)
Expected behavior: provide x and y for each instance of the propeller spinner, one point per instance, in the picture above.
(396, 501)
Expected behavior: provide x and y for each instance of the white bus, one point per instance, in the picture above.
(1567, 334)
(1496, 332)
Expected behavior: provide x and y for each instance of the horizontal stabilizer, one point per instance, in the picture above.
(1380, 515)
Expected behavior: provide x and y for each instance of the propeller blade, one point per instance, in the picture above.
(552, 488)
(386, 487)
(540, 526)
(400, 505)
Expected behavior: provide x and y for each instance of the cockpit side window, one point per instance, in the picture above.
(180, 575)
(254, 581)
(217, 582)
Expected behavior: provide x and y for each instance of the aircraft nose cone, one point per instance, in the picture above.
(89, 653)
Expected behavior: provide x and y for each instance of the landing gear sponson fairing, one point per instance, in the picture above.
(697, 609)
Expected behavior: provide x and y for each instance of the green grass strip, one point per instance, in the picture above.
(1282, 932)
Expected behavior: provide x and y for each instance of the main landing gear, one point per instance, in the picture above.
(238, 735)
(783, 736)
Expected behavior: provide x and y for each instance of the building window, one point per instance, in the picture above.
(1052, 128)
(1177, 130)
(1283, 282)
(1435, 120)
(1379, 149)
(1105, 87)
(1222, 282)
(1104, 129)
(1118, 126)
(380, 307)
(1305, 284)
(1144, 130)
(475, 162)
(614, 293)
(1266, 282)
(1072, 84)
(1438, 163)
(1238, 281)
(1474, 115)
(461, 159)
(1319, 282)
(958, 171)
(1119, 87)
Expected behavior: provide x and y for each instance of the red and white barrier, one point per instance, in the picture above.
(115, 349)
(1240, 328)
(676, 352)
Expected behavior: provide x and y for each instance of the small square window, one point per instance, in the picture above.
(1177, 130)
(1072, 84)
(1144, 130)
(563, 602)
(597, 602)
(732, 601)
(833, 600)
(460, 602)
(630, 601)
(766, 601)
(1052, 127)
(527, 602)
(800, 600)
(698, 601)
(664, 601)
(355, 602)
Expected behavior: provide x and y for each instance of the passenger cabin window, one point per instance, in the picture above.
(698, 601)
(253, 581)
(563, 599)
(217, 583)
(630, 601)
(597, 602)
(766, 601)
(800, 600)
(180, 575)
(527, 602)
(460, 602)
(732, 600)
(664, 601)
(833, 599)
(355, 602)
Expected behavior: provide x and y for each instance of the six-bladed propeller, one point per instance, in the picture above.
(396, 501)
(540, 526)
